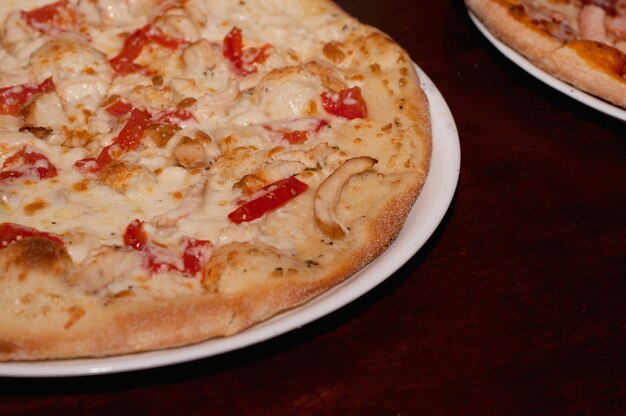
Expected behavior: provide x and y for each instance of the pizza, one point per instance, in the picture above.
(581, 42)
(177, 170)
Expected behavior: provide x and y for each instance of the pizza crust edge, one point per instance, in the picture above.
(560, 59)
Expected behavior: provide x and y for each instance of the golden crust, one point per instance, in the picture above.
(595, 68)
(514, 29)
(591, 67)
(35, 253)
(248, 283)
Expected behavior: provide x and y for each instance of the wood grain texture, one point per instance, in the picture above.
(515, 306)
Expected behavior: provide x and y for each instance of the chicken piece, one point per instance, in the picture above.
(103, 266)
(591, 23)
(329, 77)
(236, 139)
(185, 87)
(18, 38)
(46, 111)
(177, 24)
(238, 163)
(191, 202)
(122, 176)
(310, 158)
(201, 58)
(198, 10)
(152, 97)
(210, 104)
(8, 79)
(80, 73)
(289, 93)
(160, 134)
(124, 12)
(190, 153)
(89, 12)
(77, 137)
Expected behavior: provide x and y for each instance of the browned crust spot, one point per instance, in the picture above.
(37, 253)
(602, 57)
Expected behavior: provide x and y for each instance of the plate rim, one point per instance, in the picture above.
(570, 90)
(446, 157)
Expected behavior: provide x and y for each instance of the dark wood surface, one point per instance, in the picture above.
(515, 306)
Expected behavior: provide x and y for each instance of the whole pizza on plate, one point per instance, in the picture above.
(582, 42)
(173, 171)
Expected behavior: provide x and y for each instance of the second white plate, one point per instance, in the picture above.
(557, 84)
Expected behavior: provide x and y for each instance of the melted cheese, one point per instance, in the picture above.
(231, 110)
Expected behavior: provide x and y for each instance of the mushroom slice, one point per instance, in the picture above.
(328, 193)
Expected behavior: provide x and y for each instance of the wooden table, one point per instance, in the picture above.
(515, 305)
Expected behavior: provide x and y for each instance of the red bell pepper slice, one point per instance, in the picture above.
(135, 236)
(128, 139)
(123, 63)
(10, 232)
(348, 103)
(301, 136)
(12, 99)
(297, 136)
(196, 254)
(119, 108)
(194, 257)
(59, 16)
(243, 61)
(277, 194)
(27, 162)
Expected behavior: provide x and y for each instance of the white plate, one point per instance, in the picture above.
(546, 78)
(423, 219)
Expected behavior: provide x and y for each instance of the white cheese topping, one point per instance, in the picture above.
(233, 119)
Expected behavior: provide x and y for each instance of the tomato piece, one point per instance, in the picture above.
(10, 232)
(128, 139)
(12, 99)
(27, 162)
(124, 64)
(59, 16)
(277, 194)
(348, 103)
(242, 60)
(175, 118)
(156, 259)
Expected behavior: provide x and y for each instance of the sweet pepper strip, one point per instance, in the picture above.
(277, 194)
